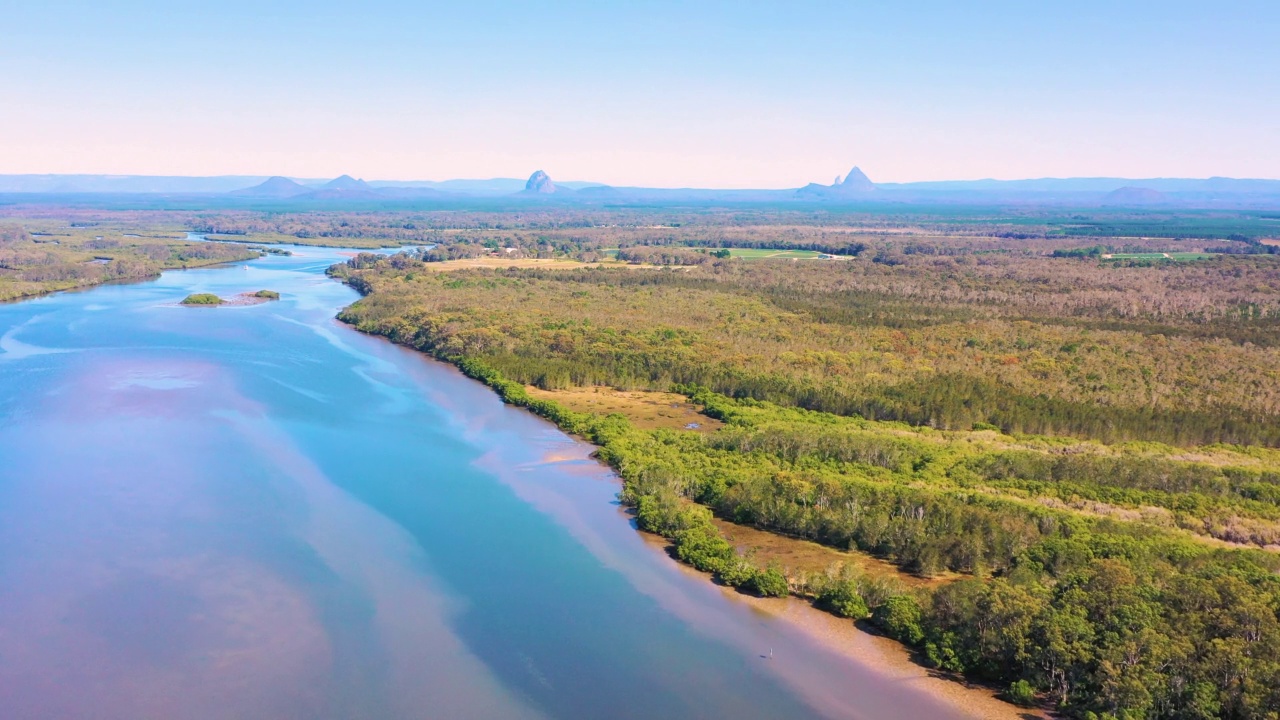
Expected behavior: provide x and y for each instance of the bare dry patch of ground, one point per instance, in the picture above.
(645, 410)
(505, 262)
(802, 556)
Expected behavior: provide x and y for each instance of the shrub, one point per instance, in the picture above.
(738, 573)
(704, 547)
(899, 617)
(1020, 692)
(769, 582)
(202, 299)
(842, 598)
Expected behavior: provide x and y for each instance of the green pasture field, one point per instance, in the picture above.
(767, 253)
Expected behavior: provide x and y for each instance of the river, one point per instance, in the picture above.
(256, 512)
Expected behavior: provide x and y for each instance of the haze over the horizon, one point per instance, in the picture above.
(712, 94)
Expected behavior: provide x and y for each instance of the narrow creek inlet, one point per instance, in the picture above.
(256, 512)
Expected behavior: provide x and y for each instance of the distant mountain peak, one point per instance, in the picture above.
(274, 187)
(857, 181)
(346, 182)
(539, 183)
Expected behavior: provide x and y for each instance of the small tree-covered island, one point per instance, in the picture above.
(245, 298)
(202, 299)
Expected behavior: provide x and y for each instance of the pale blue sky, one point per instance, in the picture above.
(709, 94)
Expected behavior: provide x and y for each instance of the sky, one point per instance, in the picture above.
(734, 94)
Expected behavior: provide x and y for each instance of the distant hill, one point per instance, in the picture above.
(343, 187)
(346, 183)
(489, 187)
(598, 191)
(274, 187)
(1130, 196)
(855, 187)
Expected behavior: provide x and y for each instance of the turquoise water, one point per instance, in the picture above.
(255, 512)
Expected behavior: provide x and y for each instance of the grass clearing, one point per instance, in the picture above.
(772, 254)
(799, 556)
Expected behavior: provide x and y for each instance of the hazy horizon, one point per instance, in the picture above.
(715, 95)
(257, 177)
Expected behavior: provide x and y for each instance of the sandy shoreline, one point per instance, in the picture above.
(881, 655)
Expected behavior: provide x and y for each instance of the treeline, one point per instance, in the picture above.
(831, 246)
(949, 402)
(930, 231)
(661, 255)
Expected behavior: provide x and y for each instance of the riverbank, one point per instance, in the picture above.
(886, 657)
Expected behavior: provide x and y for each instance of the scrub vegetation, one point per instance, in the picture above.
(1073, 459)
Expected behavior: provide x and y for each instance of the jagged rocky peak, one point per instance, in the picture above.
(540, 182)
(856, 180)
(856, 183)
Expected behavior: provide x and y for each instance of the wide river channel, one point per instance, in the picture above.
(256, 512)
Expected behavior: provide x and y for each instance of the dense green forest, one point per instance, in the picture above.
(1088, 445)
